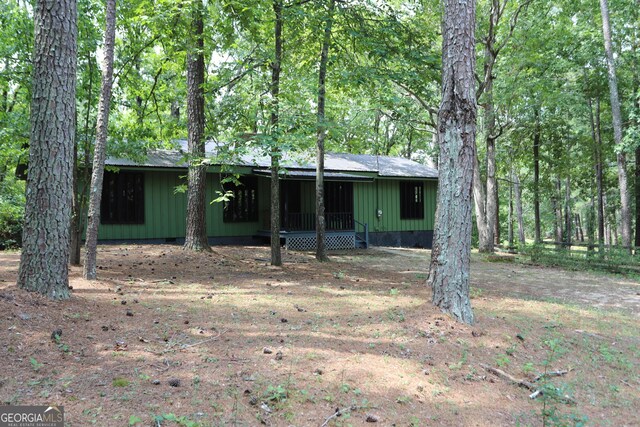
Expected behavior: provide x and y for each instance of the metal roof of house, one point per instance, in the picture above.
(311, 174)
(384, 166)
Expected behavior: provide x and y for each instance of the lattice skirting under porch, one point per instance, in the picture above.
(308, 242)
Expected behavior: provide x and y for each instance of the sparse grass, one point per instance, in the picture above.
(120, 382)
(356, 335)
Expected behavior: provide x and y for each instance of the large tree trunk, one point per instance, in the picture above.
(451, 254)
(518, 196)
(276, 255)
(321, 250)
(625, 216)
(47, 219)
(536, 176)
(100, 149)
(196, 227)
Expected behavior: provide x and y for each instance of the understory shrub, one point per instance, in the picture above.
(11, 213)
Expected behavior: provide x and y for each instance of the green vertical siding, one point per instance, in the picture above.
(165, 211)
(384, 194)
(216, 227)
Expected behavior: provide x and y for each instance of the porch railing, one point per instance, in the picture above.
(338, 221)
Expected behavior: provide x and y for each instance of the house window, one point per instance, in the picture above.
(411, 200)
(122, 198)
(243, 205)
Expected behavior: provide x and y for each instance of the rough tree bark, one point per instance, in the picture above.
(321, 249)
(621, 160)
(196, 226)
(100, 149)
(276, 255)
(450, 257)
(45, 251)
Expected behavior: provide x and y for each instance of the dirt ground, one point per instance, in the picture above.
(168, 338)
(529, 281)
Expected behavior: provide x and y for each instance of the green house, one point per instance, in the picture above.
(377, 200)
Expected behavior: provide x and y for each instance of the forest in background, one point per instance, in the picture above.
(543, 95)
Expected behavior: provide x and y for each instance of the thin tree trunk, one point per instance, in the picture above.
(479, 200)
(557, 207)
(607, 225)
(578, 227)
(491, 205)
(496, 222)
(510, 224)
(79, 191)
(637, 191)
(568, 216)
(625, 217)
(518, 195)
(451, 254)
(597, 140)
(536, 176)
(45, 251)
(196, 227)
(590, 226)
(100, 150)
(76, 213)
(321, 250)
(636, 89)
(614, 227)
(489, 232)
(276, 255)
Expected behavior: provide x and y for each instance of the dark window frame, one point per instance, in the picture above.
(122, 200)
(411, 200)
(244, 205)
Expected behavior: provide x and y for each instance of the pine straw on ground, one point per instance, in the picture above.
(166, 337)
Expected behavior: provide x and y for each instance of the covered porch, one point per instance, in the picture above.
(298, 217)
